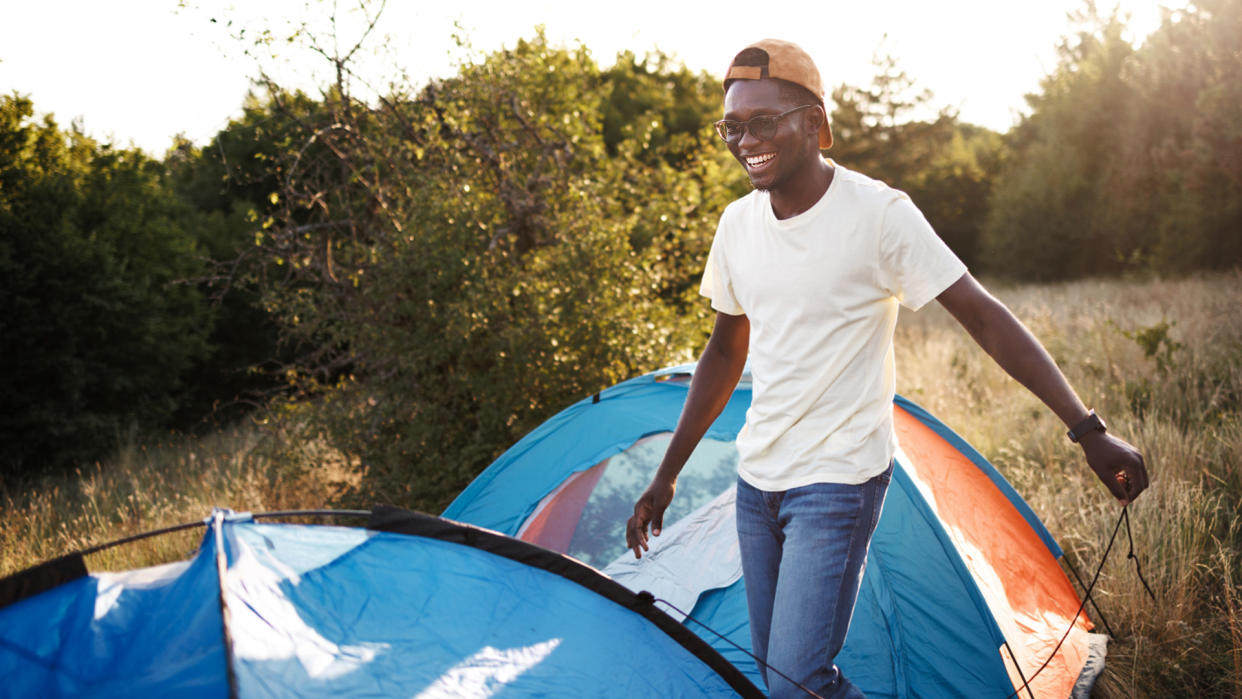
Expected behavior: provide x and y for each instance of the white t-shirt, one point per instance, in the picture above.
(821, 291)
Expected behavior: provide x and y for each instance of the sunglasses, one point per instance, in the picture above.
(761, 127)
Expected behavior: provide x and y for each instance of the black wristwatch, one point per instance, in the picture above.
(1091, 423)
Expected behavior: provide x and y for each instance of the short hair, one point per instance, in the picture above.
(790, 92)
(798, 95)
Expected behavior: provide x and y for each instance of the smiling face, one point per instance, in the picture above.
(792, 151)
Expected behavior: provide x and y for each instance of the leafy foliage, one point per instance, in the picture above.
(97, 326)
(1130, 157)
(467, 258)
(441, 266)
(227, 187)
(1187, 140)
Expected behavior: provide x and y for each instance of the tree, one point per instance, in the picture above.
(227, 186)
(1130, 159)
(1180, 187)
(464, 258)
(1048, 217)
(99, 320)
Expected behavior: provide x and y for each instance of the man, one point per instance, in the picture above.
(806, 274)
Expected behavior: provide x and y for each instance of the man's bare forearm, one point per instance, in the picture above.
(714, 379)
(1117, 463)
(718, 371)
(1012, 346)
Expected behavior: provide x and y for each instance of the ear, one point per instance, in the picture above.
(817, 123)
(813, 119)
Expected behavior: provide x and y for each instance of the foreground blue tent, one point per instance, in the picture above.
(411, 606)
(962, 596)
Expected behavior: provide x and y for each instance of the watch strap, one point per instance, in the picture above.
(1091, 423)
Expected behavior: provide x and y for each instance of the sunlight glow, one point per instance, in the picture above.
(265, 626)
(144, 70)
(488, 671)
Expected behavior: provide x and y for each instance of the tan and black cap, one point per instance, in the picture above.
(783, 60)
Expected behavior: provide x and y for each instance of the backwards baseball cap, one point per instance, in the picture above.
(784, 60)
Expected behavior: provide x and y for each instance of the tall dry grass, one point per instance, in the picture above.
(1162, 361)
(249, 467)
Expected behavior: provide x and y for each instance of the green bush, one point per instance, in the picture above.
(98, 317)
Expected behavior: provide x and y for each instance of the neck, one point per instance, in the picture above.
(800, 191)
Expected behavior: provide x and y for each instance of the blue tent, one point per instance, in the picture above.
(413, 605)
(962, 596)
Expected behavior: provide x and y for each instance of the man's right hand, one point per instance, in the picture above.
(649, 510)
(715, 377)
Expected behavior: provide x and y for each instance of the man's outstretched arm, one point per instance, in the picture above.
(1118, 464)
(715, 377)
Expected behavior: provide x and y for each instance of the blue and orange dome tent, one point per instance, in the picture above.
(963, 595)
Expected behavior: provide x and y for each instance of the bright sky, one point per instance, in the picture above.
(140, 71)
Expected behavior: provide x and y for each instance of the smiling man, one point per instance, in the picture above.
(806, 274)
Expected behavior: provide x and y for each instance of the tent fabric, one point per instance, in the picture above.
(1010, 563)
(580, 437)
(98, 636)
(413, 606)
(41, 577)
(673, 564)
(962, 597)
(953, 440)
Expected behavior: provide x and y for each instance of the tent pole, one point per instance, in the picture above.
(1025, 682)
(1087, 592)
(217, 527)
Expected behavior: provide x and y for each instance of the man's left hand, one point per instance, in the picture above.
(1118, 464)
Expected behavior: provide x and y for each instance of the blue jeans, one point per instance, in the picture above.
(803, 554)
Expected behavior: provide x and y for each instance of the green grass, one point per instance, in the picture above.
(1161, 360)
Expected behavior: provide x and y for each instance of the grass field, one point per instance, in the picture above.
(1161, 360)
(250, 467)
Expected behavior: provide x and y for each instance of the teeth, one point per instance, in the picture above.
(757, 160)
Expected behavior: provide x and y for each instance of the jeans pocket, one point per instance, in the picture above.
(881, 484)
(887, 476)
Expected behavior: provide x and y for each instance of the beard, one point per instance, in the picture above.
(769, 185)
